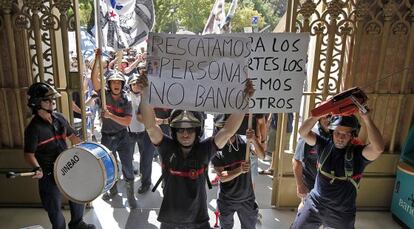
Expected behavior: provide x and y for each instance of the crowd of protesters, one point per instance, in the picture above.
(177, 140)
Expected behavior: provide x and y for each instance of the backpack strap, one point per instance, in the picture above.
(158, 182)
(163, 171)
(348, 167)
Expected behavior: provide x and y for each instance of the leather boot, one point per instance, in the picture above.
(112, 192)
(130, 194)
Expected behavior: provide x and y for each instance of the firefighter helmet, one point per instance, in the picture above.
(38, 92)
(348, 121)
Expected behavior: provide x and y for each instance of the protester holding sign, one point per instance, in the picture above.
(236, 193)
(201, 73)
(185, 158)
(116, 117)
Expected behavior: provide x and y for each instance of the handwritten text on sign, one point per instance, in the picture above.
(277, 66)
(203, 73)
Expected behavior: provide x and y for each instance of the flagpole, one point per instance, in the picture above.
(98, 34)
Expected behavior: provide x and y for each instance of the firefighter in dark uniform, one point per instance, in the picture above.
(304, 162)
(185, 159)
(116, 117)
(331, 202)
(236, 193)
(44, 140)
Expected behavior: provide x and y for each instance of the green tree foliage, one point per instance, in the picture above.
(272, 10)
(194, 14)
(188, 14)
(243, 18)
(85, 11)
(164, 11)
(170, 15)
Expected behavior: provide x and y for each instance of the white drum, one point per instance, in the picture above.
(85, 171)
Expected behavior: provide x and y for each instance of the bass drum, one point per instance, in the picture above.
(85, 171)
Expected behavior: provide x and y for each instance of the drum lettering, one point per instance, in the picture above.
(69, 165)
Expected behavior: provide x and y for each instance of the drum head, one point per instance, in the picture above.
(79, 175)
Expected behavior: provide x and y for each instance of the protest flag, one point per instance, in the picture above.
(225, 25)
(125, 23)
(216, 18)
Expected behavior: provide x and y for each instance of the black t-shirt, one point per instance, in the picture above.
(243, 126)
(47, 140)
(239, 189)
(309, 158)
(339, 195)
(162, 112)
(121, 107)
(185, 198)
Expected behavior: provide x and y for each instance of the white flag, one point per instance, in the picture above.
(125, 23)
(225, 25)
(215, 19)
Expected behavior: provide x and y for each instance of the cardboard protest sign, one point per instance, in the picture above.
(277, 66)
(201, 73)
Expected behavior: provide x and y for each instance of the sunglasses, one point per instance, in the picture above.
(188, 130)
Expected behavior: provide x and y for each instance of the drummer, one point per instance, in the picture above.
(44, 140)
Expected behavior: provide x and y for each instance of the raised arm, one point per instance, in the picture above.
(306, 132)
(234, 121)
(377, 145)
(96, 80)
(232, 125)
(148, 116)
(133, 65)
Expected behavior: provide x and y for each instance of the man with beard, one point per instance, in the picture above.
(116, 117)
(331, 202)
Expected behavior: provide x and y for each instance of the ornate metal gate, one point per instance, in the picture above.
(34, 44)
